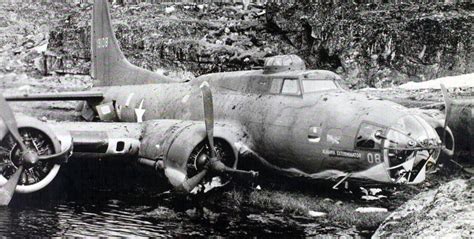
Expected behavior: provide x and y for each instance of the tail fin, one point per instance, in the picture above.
(109, 65)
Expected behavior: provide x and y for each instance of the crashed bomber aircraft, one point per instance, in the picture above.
(294, 121)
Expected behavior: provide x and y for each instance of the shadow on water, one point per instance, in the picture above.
(96, 199)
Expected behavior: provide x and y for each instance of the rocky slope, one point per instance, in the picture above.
(445, 212)
(381, 45)
(370, 45)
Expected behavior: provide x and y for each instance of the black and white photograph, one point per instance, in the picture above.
(237, 118)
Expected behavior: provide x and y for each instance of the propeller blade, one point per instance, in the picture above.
(214, 163)
(10, 122)
(6, 192)
(59, 156)
(447, 106)
(220, 167)
(191, 183)
(208, 115)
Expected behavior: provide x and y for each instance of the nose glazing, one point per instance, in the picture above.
(409, 146)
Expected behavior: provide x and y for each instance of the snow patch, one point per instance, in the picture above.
(466, 80)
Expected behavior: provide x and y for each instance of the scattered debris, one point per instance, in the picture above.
(208, 186)
(374, 191)
(214, 183)
(372, 198)
(312, 213)
(370, 209)
(371, 194)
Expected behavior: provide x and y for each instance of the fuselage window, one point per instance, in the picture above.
(291, 87)
(318, 85)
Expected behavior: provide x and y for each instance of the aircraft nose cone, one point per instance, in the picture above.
(418, 130)
(411, 143)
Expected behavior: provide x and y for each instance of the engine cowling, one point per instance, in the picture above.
(175, 142)
(163, 135)
(39, 137)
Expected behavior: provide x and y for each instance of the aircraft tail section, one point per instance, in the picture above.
(109, 65)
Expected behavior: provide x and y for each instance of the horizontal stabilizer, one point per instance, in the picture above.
(60, 96)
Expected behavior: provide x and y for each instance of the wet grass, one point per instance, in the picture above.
(296, 200)
(298, 204)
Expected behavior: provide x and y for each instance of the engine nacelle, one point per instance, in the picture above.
(40, 136)
(171, 141)
(175, 141)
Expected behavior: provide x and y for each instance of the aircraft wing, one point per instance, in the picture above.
(184, 150)
(98, 138)
(60, 96)
(166, 145)
(40, 148)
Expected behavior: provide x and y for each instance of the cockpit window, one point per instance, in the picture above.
(318, 85)
(367, 137)
(291, 87)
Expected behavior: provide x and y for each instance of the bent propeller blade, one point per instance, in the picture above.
(447, 105)
(10, 122)
(7, 190)
(191, 183)
(208, 114)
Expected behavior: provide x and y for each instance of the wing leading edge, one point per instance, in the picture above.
(101, 139)
(60, 96)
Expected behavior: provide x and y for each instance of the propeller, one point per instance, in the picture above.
(447, 104)
(213, 164)
(192, 182)
(28, 156)
(7, 190)
(9, 120)
(208, 115)
(446, 130)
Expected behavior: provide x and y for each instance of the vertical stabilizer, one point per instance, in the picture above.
(109, 65)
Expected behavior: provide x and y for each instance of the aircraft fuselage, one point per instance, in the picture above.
(311, 132)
